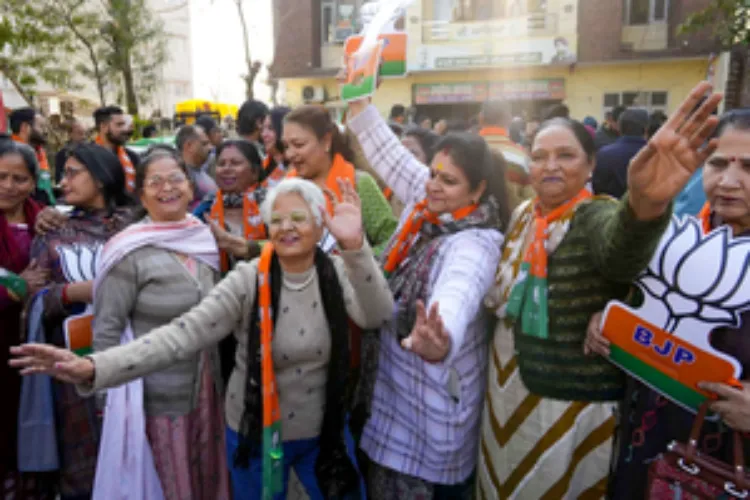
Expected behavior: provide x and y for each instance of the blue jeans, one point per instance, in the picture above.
(247, 484)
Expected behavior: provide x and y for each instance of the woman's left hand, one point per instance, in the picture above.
(428, 339)
(346, 223)
(734, 405)
(663, 167)
(228, 242)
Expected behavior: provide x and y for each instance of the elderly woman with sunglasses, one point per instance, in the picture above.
(289, 311)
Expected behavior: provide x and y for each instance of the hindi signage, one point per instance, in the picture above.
(513, 90)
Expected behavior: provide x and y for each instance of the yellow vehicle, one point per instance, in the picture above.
(187, 111)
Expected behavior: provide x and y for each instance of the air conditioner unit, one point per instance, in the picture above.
(313, 93)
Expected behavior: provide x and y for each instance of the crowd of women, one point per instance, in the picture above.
(294, 322)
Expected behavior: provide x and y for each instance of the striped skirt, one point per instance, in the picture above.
(537, 448)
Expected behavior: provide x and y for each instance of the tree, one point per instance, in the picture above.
(137, 49)
(34, 48)
(253, 67)
(729, 19)
(84, 24)
(273, 84)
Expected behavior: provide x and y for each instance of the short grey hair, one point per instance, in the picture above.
(309, 192)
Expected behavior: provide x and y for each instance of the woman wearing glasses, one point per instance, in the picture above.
(156, 270)
(92, 183)
(290, 312)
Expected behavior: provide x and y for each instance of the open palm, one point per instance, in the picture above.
(46, 359)
(661, 170)
(346, 223)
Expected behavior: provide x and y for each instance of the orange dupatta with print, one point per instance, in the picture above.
(252, 223)
(410, 230)
(528, 298)
(44, 182)
(340, 169)
(127, 165)
(272, 445)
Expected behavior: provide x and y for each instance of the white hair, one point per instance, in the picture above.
(309, 192)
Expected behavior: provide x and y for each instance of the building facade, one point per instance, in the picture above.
(590, 54)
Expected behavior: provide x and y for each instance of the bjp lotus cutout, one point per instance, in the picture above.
(694, 284)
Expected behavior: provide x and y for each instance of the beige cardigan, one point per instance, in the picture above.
(227, 309)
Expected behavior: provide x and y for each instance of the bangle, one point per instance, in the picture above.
(65, 298)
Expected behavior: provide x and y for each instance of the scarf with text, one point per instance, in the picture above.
(528, 297)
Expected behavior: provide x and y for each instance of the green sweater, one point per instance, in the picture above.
(377, 215)
(604, 250)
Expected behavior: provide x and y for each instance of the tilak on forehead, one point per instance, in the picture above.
(446, 151)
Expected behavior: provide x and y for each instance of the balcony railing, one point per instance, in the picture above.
(538, 24)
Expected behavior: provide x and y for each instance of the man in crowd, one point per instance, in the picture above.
(609, 131)
(76, 135)
(215, 137)
(29, 127)
(112, 133)
(494, 120)
(194, 147)
(611, 171)
(250, 120)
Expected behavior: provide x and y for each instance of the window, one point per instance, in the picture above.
(464, 10)
(649, 100)
(637, 12)
(339, 19)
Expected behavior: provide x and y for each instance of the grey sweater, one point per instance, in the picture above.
(301, 334)
(150, 287)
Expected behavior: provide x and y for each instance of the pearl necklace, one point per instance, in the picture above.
(296, 287)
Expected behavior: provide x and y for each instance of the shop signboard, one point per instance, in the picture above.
(510, 90)
(533, 33)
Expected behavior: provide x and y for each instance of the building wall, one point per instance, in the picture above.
(585, 85)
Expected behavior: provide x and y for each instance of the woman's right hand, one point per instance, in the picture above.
(49, 219)
(46, 359)
(36, 277)
(234, 245)
(596, 343)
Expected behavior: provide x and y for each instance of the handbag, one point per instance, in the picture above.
(684, 473)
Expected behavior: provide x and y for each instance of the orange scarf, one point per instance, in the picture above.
(409, 231)
(41, 155)
(485, 131)
(274, 176)
(340, 169)
(272, 450)
(528, 298)
(252, 223)
(127, 165)
(705, 217)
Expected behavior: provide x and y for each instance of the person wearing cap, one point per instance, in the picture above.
(93, 183)
(611, 171)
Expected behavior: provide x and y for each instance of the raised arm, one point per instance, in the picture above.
(621, 244)
(403, 173)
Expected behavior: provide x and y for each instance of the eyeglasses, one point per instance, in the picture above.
(296, 218)
(71, 173)
(157, 181)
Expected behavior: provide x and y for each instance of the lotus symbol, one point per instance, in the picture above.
(696, 282)
(78, 261)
